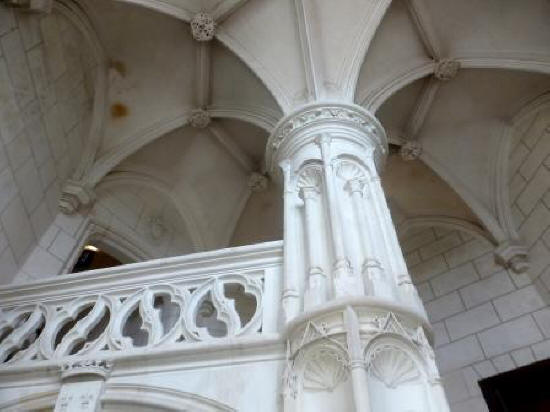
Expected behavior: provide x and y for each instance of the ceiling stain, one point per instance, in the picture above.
(119, 110)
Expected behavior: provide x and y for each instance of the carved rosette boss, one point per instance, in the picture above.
(203, 27)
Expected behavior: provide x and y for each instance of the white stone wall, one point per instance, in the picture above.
(56, 249)
(45, 105)
(530, 191)
(486, 320)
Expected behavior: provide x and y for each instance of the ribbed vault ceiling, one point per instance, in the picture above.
(270, 57)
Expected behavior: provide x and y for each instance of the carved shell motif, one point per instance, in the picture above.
(310, 177)
(348, 170)
(325, 368)
(393, 366)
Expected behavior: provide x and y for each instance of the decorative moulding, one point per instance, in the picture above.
(203, 27)
(262, 117)
(115, 394)
(293, 129)
(97, 368)
(165, 270)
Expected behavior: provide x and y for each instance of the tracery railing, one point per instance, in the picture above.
(196, 298)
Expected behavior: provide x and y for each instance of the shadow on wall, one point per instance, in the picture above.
(261, 219)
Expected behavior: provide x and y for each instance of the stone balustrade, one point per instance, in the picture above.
(143, 308)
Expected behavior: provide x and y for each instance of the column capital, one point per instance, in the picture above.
(345, 124)
(514, 255)
(257, 182)
(310, 177)
(354, 178)
(411, 150)
(74, 195)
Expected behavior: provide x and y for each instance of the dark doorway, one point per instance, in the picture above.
(525, 389)
(94, 258)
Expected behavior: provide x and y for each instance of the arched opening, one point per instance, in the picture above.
(92, 257)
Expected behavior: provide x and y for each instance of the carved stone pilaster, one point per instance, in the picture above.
(446, 69)
(83, 383)
(257, 182)
(97, 368)
(411, 150)
(199, 119)
(513, 256)
(75, 195)
(203, 27)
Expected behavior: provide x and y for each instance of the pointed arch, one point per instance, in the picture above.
(188, 207)
(128, 394)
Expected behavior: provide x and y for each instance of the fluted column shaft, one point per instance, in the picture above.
(371, 268)
(344, 284)
(346, 146)
(291, 298)
(316, 292)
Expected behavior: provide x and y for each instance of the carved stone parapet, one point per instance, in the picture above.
(98, 368)
(199, 119)
(31, 6)
(446, 69)
(411, 150)
(203, 27)
(308, 123)
(75, 195)
(257, 182)
(513, 256)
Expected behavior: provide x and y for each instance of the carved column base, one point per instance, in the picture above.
(361, 355)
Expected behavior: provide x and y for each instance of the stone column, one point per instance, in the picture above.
(336, 140)
(359, 313)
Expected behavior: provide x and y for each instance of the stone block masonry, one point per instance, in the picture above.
(45, 106)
